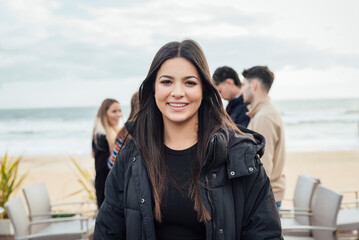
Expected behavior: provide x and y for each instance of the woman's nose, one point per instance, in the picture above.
(177, 91)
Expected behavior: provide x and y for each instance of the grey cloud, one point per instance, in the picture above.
(63, 59)
(54, 59)
(248, 51)
(65, 53)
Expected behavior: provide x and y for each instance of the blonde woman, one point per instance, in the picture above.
(103, 141)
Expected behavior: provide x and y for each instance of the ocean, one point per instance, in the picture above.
(310, 125)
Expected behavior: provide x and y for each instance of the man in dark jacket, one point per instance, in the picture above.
(229, 86)
(238, 197)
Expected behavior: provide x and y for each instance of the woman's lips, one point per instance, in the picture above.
(178, 106)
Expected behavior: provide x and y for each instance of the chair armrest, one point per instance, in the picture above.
(355, 192)
(356, 201)
(54, 220)
(59, 220)
(73, 203)
(350, 201)
(43, 235)
(55, 213)
(348, 191)
(292, 214)
(306, 227)
(295, 210)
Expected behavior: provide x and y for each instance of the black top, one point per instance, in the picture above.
(101, 153)
(237, 110)
(179, 219)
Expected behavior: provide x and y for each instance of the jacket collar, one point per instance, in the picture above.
(255, 107)
(234, 102)
(239, 151)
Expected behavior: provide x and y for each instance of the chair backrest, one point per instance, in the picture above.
(16, 211)
(325, 207)
(38, 201)
(303, 195)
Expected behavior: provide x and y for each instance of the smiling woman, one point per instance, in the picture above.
(187, 172)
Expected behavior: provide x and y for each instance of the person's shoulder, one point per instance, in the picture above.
(100, 142)
(129, 146)
(244, 149)
(231, 140)
(270, 113)
(244, 139)
(100, 137)
(267, 112)
(127, 152)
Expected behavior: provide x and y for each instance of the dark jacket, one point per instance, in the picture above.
(239, 200)
(101, 154)
(237, 110)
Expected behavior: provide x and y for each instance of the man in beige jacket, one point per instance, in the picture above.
(266, 120)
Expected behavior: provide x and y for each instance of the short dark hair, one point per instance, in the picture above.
(222, 73)
(263, 73)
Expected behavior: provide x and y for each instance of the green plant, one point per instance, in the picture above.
(10, 180)
(86, 181)
(59, 214)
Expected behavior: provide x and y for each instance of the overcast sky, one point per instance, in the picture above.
(76, 53)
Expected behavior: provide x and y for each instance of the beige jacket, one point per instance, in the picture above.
(266, 120)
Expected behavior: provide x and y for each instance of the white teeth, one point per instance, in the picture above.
(177, 104)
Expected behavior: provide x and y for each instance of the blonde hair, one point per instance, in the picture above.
(101, 126)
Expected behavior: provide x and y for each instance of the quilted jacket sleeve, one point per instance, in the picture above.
(260, 219)
(110, 222)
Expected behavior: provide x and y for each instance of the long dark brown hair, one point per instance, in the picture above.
(148, 126)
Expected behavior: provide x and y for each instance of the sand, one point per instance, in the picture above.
(336, 170)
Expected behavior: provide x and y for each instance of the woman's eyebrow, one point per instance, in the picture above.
(185, 78)
(188, 77)
(166, 76)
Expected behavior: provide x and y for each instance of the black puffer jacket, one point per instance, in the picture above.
(240, 199)
(237, 110)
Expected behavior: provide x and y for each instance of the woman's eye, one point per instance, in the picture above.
(191, 83)
(166, 82)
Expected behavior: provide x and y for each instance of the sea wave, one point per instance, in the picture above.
(310, 125)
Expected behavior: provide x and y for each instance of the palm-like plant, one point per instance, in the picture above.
(86, 181)
(10, 180)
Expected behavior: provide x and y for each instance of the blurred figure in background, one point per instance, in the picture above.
(229, 86)
(103, 141)
(266, 120)
(123, 132)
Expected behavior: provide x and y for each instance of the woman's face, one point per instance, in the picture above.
(178, 91)
(114, 113)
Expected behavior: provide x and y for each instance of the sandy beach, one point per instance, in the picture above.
(336, 170)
